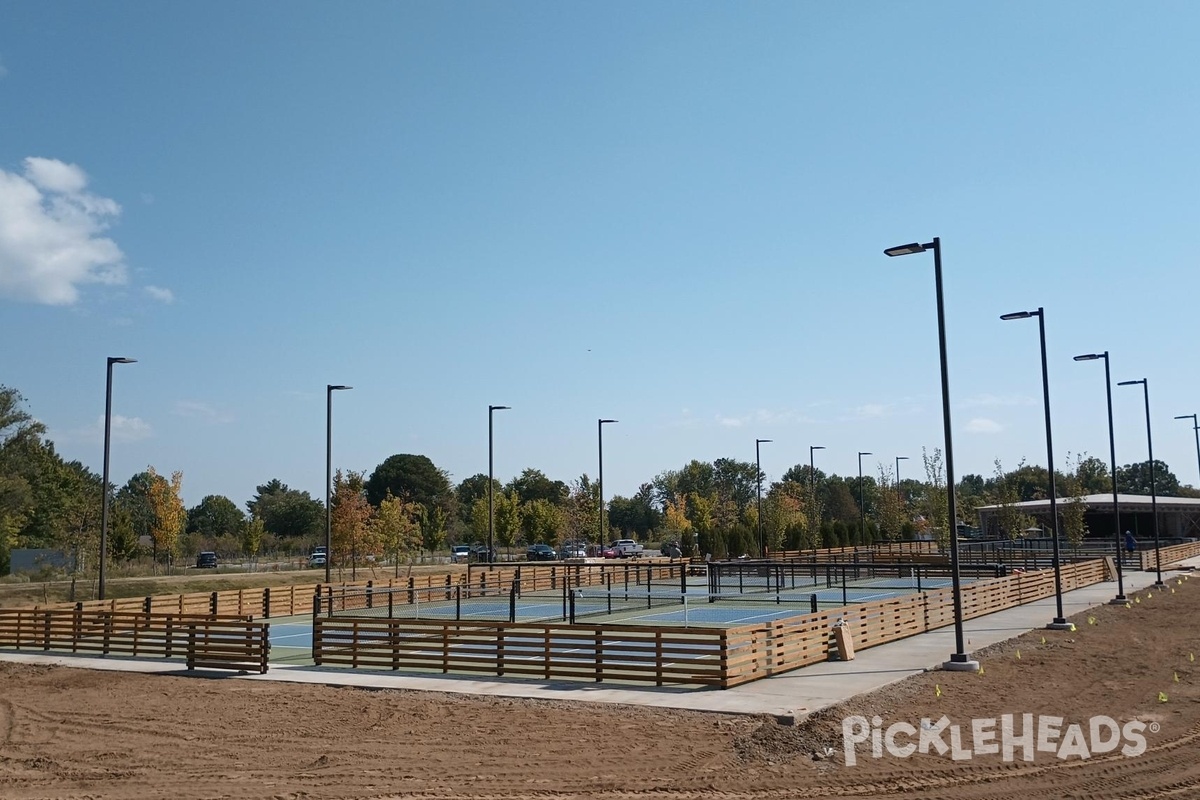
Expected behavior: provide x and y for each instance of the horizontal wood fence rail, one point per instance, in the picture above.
(205, 641)
(758, 651)
(1169, 555)
(662, 656)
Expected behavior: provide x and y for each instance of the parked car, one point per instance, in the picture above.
(318, 558)
(541, 552)
(481, 553)
(626, 548)
(206, 560)
(611, 551)
(460, 554)
(575, 551)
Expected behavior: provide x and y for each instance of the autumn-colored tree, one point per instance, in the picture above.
(1012, 520)
(889, 508)
(167, 514)
(252, 536)
(397, 528)
(350, 514)
(937, 502)
(1073, 511)
(678, 526)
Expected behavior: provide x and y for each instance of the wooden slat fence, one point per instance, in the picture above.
(1169, 555)
(204, 641)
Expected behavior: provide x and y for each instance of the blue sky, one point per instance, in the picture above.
(670, 214)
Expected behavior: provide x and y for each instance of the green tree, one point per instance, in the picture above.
(397, 528)
(1135, 479)
(472, 489)
(1012, 520)
(413, 477)
(507, 508)
(937, 506)
(532, 484)
(167, 513)
(288, 513)
(541, 521)
(216, 516)
(252, 538)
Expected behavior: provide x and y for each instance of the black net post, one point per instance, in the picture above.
(512, 603)
(812, 599)
(845, 598)
(316, 604)
(682, 580)
(458, 602)
(571, 606)
(410, 590)
(370, 594)
(146, 604)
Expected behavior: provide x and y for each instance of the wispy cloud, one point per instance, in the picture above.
(50, 234)
(196, 409)
(984, 425)
(160, 294)
(124, 429)
(994, 400)
(904, 405)
(761, 416)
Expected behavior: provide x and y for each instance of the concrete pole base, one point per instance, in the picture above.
(960, 662)
(1119, 600)
(1159, 585)
(1060, 625)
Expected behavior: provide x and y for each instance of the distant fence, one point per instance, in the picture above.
(665, 655)
(1169, 555)
(204, 641)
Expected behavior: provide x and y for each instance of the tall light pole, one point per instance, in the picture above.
(329, 390)
(107, 441)
(1120, 599)
(959, 660)
(762, 553)
(812, 490)
(1153, 489)
(600, 423)
(899, 494)
(862, 506)
(1196, 429)
(1060, 622)
(491, 515)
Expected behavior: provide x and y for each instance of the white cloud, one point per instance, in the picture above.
(983, 425)
(160, 294)
(195, 409)
(50, 234)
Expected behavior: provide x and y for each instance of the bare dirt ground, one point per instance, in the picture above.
(68, 733)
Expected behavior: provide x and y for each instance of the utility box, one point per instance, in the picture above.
(844, 642)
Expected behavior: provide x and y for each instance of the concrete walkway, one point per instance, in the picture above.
(787, 697)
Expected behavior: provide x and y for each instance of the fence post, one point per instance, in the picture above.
(266, 609)
(264, 648)
(191, 645)
(212, 604)
(146, 604)
(78, 627)
(46, 629)
(410, 590)
(447, 586)
(512, 602)
(316, 640)
(370, 594)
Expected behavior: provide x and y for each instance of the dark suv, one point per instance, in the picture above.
(206, 560)
(541, 552)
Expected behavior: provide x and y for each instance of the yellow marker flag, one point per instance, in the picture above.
(1127, 605)
(1176, 676)
(1073, 626)
(1091, 620)
(1137, 599)
(1162, 697)
(937, 690)
(1018, 655)
(981, 671)
(1172, 590)
(1149, 595)
(1043, 640)
(1191, 656)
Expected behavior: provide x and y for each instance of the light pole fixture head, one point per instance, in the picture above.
(330, 387)
(605, 421)
(113, 360)
(816, 447)
(860, 455)
(499, 408)
(762, 441)
(907, 249)
(902, 458)
(1090, 357)
(1131, 383)
(1186, 416)
(1019, 315)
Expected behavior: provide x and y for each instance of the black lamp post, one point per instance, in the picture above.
(812, 487)
(1059, 622)
(899, 494)
(107, 441)
(959, 660)
(329, 390)
(762, 553)
(600, 449)
(1196, 429)
(1158, 582)
(1120, 599)
(491, 553)
(862, 507)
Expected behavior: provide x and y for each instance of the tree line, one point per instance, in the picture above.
(408, 505)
